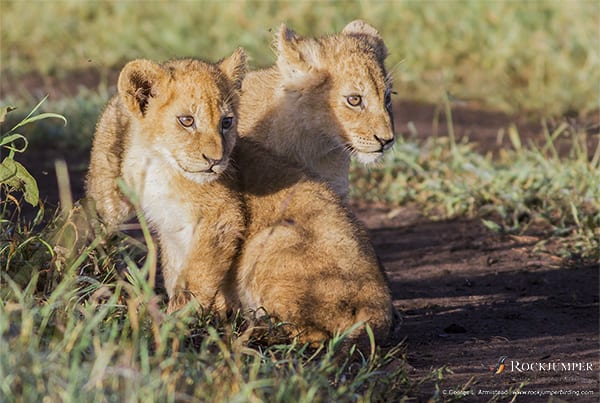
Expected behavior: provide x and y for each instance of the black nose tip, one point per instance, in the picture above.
(385, 143)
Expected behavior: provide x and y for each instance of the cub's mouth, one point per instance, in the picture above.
(370, 149)
(202, 172)
(199, 170)
(211, 170)
(366, 154)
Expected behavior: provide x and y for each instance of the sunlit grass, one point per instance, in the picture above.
(520, 188)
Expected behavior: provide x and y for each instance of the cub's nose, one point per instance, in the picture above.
(211, 162)
(386, 143)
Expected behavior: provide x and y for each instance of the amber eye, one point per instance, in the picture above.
(226, 123)
(186, 121)
(354, 100)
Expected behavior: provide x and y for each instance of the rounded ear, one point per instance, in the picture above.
(235, 67)
(297, 57)
(138, 82)
(291, 57)
(369, 34)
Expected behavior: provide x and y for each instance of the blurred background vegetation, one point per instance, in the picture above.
(538, 56)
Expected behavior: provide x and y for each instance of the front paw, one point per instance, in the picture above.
(178, 301)
(216, 305)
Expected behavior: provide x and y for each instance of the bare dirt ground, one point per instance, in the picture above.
(469, 296)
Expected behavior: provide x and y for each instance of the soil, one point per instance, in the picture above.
(468, 296)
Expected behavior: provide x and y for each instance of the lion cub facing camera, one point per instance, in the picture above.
(169, 134)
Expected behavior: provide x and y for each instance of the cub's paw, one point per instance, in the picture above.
(216, 305)
(179, 300)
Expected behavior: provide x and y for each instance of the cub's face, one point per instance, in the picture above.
(360, 100)
(186, 111)
(341, 83)
(192, 124)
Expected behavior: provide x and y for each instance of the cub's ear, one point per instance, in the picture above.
(235, 67)
(297, 58)
(138, 82)
(369, 34)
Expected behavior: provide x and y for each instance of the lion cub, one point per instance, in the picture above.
(169, 134)
(305, 259)
(324, 100)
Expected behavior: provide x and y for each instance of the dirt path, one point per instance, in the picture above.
(470, 296)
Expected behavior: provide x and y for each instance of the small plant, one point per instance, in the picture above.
(22, 243)
(13, 175)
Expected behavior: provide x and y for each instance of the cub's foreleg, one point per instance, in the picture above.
(207, 273)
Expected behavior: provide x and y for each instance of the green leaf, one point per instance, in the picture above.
(30, 118)
(15, 175)
(41, 116)
(491, 225)
(35, 108)
(4, 111)
(12, 138)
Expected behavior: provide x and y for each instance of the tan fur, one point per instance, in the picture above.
(299, 109)
(306, 260)
(180, 174)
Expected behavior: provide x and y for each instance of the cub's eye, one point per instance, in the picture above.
(186, 121)
(226, 123)
(354, 100)
(388, 100)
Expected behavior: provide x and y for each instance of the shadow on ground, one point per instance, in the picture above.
(470, 296)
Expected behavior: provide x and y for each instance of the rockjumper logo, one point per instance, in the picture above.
(550, 366)
(518, 366)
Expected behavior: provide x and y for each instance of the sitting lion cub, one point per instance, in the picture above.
(325, 100)
(169, 133)
(305, 259)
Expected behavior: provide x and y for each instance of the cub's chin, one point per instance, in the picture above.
(200, 177)
(369, 158)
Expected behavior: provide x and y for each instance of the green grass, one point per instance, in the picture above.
(540, 57)
(522, 188)
(107, 338)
